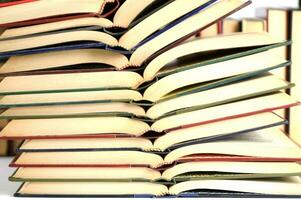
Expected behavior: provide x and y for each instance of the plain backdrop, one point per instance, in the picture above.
(257, 9)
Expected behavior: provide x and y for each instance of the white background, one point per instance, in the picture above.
(256, 9)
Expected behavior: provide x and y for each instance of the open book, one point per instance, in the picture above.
(263, 145)
(76, 140)
(84, 85)
(61, 117)
(174, 174)
(282, 187)
(144, 39)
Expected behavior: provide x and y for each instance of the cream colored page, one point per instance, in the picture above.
(91, 158)
(86, 143)
(36, 9)
(231, 26)
(236, 40)
(215, 129)
(54, 26)
(74, 109)
(78, 109)
(254, 144)
(123, 17)
(253, 25)
(75, 81)
(233, 167)
(57, 59)
(87, 173)
(218, 112)
(74, 126)
(46, 40)
(236, 90)
(158, 20)
(211, 72)
(96, 188)
(277, 27)
(210, 31)
(202, 19)
(69, 97)
(280, 186)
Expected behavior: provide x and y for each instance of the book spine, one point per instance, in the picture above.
(3, 148)
(295, 76)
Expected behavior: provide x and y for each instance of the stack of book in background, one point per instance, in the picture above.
(114, 98)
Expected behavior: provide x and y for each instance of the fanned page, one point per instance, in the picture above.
(77, 110)
(77, 127)
(90, 81)
(223, 42)
(268, 144)
(177, 173)
(285, 187)
(256, 146)
(158, 66)
(186, 28)
(42, 9)
(135, 35)
(168, 35)
(282, 187)
(171, 140)
(203, 74)
(66, 98)
(246, 107)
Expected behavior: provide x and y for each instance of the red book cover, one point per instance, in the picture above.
(12, 3)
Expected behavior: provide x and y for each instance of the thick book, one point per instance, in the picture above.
(230, 26)
(173, 102)
(282, 188)
(295, 114)
(263, 145)
(178, 173)
(106, 112)
(172, 140)
(254, 25)
(150, 42)
(38, 12)
(254, 46)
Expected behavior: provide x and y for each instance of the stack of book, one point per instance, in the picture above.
(113, 99)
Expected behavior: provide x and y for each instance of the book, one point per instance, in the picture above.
(253, 146)
(278, 25)
(285, 187)
(178, 173)
(184, 119)
(162, 40)
(4, 147)
(212, 30)
(174, 101)
(156, 68)
(295, 114)
(146, 109)
(171, 140)
(230, 26)
(254, 25)
(43, 12)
